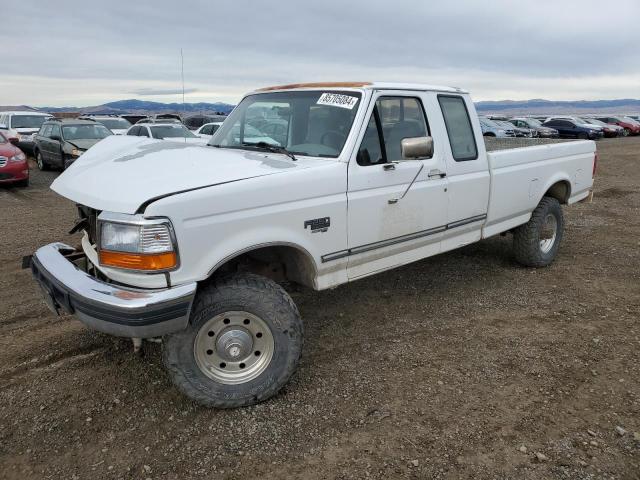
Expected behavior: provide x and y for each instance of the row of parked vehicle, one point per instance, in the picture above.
(57, 143)
(562, 126)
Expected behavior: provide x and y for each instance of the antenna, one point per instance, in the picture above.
(182, 74)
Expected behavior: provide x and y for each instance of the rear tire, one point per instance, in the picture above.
(242, 345)
(536, 243)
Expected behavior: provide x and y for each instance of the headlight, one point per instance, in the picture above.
(76, 152)
(18, 157)
(134, 243)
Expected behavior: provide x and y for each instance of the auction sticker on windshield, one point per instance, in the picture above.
(337, 100)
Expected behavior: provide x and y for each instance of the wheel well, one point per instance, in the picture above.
(281, 263)
(561, 191)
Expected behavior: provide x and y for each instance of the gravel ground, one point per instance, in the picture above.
(464, 365)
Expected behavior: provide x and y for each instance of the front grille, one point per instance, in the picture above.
(90, 217)
(3, 161)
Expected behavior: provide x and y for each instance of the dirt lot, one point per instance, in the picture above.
(460, 366)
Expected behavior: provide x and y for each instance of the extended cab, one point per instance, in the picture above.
(192, 243)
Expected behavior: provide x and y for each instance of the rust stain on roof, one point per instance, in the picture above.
(315, 85)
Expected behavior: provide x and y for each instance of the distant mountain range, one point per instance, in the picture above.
(142, 106)
(539, 106)
(505, 107)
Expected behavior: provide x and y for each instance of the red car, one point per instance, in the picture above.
(630, 127)
(14, 168)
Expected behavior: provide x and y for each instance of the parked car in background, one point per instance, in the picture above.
(519, 131)
(133, 118)
(61, 141)
(159, 120)
(117, 125)
(14, 168)
(492, 129)
(174, 132)
(194, 122)
(578, 121)
(630, 127)
(22, 125)
(536, 125)
(608, 129)
(568, 128)
(208, 129)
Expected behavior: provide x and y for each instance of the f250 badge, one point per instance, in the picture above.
(318, 224)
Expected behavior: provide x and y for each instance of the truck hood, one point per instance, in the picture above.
(121, 173)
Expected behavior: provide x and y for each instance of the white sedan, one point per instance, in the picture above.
(175, 132)
(208, 129)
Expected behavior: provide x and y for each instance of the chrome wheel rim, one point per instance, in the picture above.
(234, 347)
(548, 233)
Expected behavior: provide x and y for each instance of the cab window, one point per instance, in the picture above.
(459, 129)
(55, 131)
(392, 120)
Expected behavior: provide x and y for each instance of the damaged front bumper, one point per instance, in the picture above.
(106, 307)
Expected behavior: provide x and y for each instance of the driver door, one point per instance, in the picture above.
(397, 207)
(55, 146)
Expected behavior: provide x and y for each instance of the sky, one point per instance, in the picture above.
(79, 53)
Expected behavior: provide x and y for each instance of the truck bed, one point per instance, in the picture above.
(524, 170)
(493, 144)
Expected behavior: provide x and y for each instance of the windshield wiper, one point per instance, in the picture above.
(271, 148)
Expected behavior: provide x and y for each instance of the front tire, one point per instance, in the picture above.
(42, 165)
(242, 345)
(536, 243)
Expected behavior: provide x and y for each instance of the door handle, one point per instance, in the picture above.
(389, 166)
(435, 173)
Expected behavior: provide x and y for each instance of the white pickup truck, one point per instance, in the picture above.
(319, 184)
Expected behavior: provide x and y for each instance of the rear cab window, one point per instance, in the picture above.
(459, 128)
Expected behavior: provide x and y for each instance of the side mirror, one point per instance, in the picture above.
(13, 140)
(56, 138)
(417, 147)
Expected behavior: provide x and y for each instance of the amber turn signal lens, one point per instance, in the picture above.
(136, 261)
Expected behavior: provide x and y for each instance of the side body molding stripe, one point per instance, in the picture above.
(404, 238)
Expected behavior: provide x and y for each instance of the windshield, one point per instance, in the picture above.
(313, 123)
(489, 123)
(594, 121)
(27, 121)
(114, 123)
(171, 131)
(630, 120)
(532, 122)
(85, 132)
(581, 120)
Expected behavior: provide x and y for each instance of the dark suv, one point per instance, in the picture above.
(570, 129)
(60, 142)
